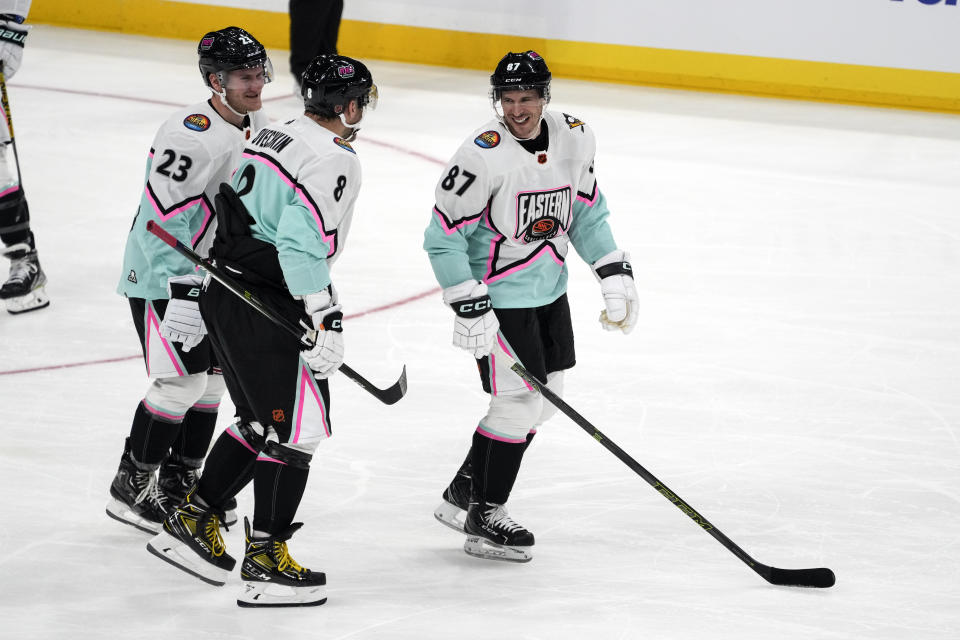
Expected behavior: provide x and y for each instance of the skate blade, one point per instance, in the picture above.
(169, 549)
(33, 301)
(122, 513)
(479, 547)
(450, 515)
(271, 594)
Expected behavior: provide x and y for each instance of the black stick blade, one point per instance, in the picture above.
(397, 390)
(822, 578)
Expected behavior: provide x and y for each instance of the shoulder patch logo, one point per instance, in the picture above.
(487, 139)
(573, 121)
(197, 122)
(340, 142)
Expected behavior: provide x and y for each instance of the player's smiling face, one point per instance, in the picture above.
(522, 111)
(244, 87)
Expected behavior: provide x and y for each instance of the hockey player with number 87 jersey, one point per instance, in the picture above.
(517, 193)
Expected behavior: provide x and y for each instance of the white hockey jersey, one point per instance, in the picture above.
(193, 152)
(300, 182)
(506, 216)
(17, 7)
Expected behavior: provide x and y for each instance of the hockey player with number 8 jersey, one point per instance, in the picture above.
(283, 222)
(516, 194)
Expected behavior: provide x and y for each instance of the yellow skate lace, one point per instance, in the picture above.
(212, 531)
(284, 559)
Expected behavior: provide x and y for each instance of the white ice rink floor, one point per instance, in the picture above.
(795, 375)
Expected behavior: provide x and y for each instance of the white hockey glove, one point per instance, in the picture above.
(619, 292)
(181, 321)
(326, 355)
(12, 36)
(475, 328)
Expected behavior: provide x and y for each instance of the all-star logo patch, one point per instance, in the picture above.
(197, 122)
(487, 140)
(340, 142)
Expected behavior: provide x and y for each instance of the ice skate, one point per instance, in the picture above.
(493, 535)
(190, 540)
(177, 478)
(456, 498)
(135, 497)
(24, 289)
(271, 578)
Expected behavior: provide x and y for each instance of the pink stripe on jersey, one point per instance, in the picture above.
(500, 438)
(152, 321)
(593, 199)
(236, 436)
(305, 378)
(207, 406)
(508, 350)
(265, 458)
(9, 190)
(328, 238)
(546, 249)
(171, 417)
(463, 223)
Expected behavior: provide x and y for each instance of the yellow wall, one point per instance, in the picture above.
(583, 60)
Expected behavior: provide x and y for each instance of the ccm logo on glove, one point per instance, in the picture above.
(473, 308)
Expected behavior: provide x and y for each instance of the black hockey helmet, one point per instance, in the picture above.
(331, 81)
(229, 49)
(521, 71)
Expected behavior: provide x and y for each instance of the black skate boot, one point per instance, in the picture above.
(24, 289)
(456, 499)
(271, 578)
(135, 497)
(177, 478)
(493, 535)
(190, 540)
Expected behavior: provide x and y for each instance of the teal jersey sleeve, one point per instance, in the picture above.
(301, 198)
(590, 233)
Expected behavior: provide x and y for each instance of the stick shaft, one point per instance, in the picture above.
(306, 336)
(801, 577)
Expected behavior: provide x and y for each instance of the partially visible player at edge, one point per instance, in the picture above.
(516, 194)
(24, 289)
(282, 225)
(194, 151)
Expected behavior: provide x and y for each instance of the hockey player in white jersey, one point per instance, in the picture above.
(516, 194)
(24, 288)
(282, 225)
(193, 152)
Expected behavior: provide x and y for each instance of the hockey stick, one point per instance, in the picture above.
(819, 578)
(390, 395)
(5, 101)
